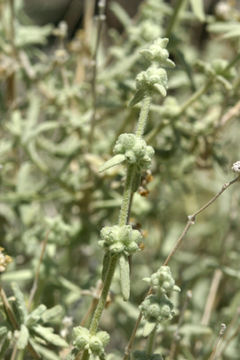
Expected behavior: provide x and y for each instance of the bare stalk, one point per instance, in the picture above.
(180, 321)
(100, 21)
(36, 278)
(218, 342)
(13, 321)
(190, 222)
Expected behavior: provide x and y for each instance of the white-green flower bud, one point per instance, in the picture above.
(94, 344)
(120, 239)
(152, 79)
(162, 281)
(135, 150)
(236, 167)
(157, 309)
(157, 52)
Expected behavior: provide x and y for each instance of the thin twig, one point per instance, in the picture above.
(93, 304)
(35, 283)
(190, 222)
(13, 321)
(226, 341)
(218, 342)
(211, 296)
(192, 218)
(100, 19)
(180, 321)
(231, 113)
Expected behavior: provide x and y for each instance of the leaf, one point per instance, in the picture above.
(4, 347)
(3, 331)
(139, 95)
(46, 353)
(20, 302)
(116, 160)
(35, 315)
(28, 35)
(20, 275)
(121, 14)
(198, 9)
(22, 337)
(227, 29)
(53, 313)
(148, 328)
(195, 330)
(47, 334)
(124, 277)
(28, 182)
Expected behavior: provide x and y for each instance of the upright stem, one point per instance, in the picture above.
(127, 193)
(175, 15)
(101, 18)
(123, 220)
(143, 115)
(151, 340)
(195, 97)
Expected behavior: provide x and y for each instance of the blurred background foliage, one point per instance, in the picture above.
(53, 195)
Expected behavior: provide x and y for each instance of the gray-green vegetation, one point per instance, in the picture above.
(119, 185)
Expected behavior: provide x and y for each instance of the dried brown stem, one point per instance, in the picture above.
(13, 321)
(190, 222)
(35, 283)
(218, 342)
(180, 321)
(192, 218)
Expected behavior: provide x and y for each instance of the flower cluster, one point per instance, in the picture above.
(152, 79)
(162, 281)
(236, 167)
(4, 260)
(94, 344)
(135, 150)
(120, 239)
(157, 307)
(158, 52)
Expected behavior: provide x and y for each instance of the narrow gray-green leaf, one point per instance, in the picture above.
(46, 353)
(148, 328)
(23, 337)
(198, 9)
(139, 95)
(20, 302)
(116, 160)
(47, 334)
(3, 331)
(124, 277)
(35, 315)
(53, 313)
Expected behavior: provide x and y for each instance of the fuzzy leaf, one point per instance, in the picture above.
(47, 334)
(139, 95)
(3, 331)
(115, 160)
(4, 347)
(35, 315)
(124, 277)
(20, 302)
(148, 328)
(46, 353)
(23, 337)
(198, 9)
(52, 313)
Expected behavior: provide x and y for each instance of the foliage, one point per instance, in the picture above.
(71, 155)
